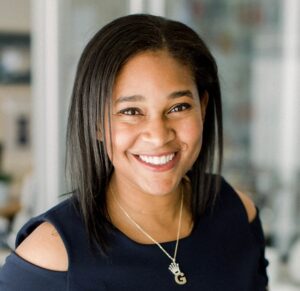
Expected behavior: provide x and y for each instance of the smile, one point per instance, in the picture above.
(157, 160)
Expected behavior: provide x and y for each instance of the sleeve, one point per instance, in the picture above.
(260, 282)
(18, 274)
(261, 276)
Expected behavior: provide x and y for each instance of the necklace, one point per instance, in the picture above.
(179, 276)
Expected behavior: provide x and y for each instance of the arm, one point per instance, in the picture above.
(44, 248)
(39, 263)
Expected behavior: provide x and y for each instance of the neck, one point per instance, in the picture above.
(139, 203)
(157, 214)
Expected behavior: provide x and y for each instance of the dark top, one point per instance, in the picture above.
(223, 252)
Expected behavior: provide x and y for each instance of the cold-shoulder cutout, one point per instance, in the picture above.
(248, 204)
(44, 248)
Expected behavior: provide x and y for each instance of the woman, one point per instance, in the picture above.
(146, 213)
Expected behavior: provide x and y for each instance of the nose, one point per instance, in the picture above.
(158, 132)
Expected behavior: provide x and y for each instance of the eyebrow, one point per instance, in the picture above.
(136, 98)
(178, 94)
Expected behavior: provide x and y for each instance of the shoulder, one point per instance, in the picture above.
(248, 204)
(232, 197)
(44, 248)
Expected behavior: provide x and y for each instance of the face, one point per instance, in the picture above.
(156, 123)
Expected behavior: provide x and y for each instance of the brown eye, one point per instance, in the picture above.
(180, 107)
(130, 111)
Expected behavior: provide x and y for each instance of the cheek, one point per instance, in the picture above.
(191, 132)
(191, 139)
(122, 139)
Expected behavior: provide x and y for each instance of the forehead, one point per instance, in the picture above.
(153, 69)
(147, 57)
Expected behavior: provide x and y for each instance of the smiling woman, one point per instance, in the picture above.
(156, 133)
(148, 209)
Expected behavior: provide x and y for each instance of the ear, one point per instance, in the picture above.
(99, 134)
(203, 103)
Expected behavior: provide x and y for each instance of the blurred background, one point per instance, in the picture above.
(256, 45)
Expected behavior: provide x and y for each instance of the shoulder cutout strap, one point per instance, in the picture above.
(44, 248)
(248, 204)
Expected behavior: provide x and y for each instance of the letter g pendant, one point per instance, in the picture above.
(179, 277)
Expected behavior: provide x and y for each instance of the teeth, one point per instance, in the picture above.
(161, 160)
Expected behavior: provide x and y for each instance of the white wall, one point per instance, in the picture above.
(14, 15)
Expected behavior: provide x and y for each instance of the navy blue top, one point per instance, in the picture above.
(223, 252)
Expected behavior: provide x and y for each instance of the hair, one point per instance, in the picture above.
(88, 165)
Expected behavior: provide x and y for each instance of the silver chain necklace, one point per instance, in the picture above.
(179, 276)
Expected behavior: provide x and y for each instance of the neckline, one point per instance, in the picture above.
(120, 234)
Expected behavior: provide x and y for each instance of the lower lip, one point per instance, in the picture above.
(160, 168)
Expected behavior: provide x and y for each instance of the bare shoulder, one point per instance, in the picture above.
(248, 204)
(44, 248)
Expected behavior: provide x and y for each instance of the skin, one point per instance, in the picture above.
(165, 116)
(150, 124)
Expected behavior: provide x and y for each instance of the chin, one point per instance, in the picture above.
(160, 189)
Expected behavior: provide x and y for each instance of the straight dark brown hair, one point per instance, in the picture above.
(88, 166)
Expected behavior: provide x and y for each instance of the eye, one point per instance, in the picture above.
(180, 107)
(130, 111)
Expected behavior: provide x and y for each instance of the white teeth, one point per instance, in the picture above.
(161, 160)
